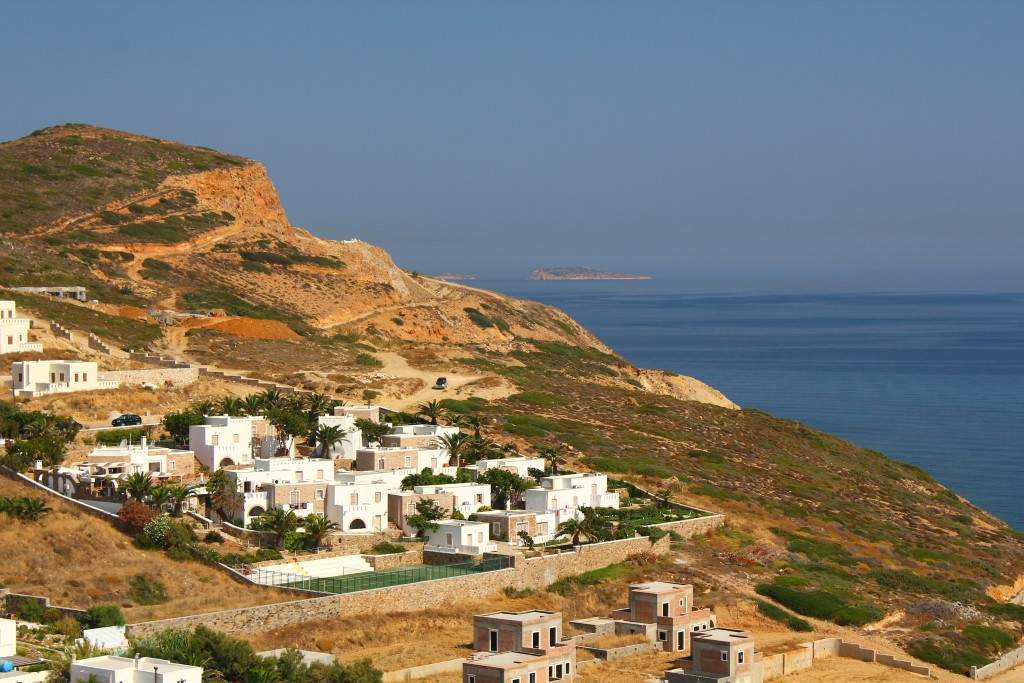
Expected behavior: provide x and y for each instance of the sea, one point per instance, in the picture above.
(932, 379)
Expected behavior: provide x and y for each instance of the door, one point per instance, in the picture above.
(681, 641)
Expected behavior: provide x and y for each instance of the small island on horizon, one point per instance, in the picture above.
(577, 273)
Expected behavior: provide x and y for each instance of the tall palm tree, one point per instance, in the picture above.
(456, 444)
(317, 527)
(318, 404)
(178, 495)
(553, 455)
(326, 436)
(159, 497)
(138, 485)
(474, 422)
(231, 405)
(270, 399)
(432, 410)
(252, 405)
(205, 407)
(279, 522)
(573, 528)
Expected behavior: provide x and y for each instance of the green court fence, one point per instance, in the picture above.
(364, 581)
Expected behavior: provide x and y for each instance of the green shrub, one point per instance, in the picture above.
(367, 361)
(112, 437)
(570, 584)
(99, 616)
(820, 604)
(387, 548)
(147, 591)
(946, 655)
(30, 610)
(213, 536)
(478, 318)
(776, 613)
(989, 638)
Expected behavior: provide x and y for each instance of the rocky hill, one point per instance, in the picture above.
(820, 525)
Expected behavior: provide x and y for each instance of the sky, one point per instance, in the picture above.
(723, 146)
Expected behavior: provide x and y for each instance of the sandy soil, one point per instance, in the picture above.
(460, 384)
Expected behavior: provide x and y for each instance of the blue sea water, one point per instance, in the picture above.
(936, 380)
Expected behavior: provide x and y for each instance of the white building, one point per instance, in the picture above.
(417, 436)
(459, 536)
(42, 377)
(358, 501)
(111, 669)
(360, 412)
(464, 498)
(507, 524)
(351, 441)
(114, 463)
(225, 440)
(565, 494)
(383, 459)
(296, 484)
(519, 465)
(8, 638)
(14, 331)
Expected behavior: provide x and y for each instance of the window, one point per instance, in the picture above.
(408, 461)
(552, 636)
(480, 498)
(299, 476)
(62, 377)
(235, 438)
(380, 464)
(353, 499)
(492, 643)
(216, 439)
(536, 640)
(293, 497)
(21, 377)
(517, 680)
(725, 656)
(739, 657)
(76, 377)
(662, 636)
(696, 627)
(533, 678)
(320, 475)
(664, 609)
(53, 378)
(448, 540)
(172, 465)
(542, 528)
(471, 679)
(319, 494)
(85, 376)
(377, 497)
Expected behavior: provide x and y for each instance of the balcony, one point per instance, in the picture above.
(461, 549)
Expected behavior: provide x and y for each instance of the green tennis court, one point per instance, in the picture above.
(394, 577)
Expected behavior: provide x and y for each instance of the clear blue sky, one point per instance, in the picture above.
(735, 145)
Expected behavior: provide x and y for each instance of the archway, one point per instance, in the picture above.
(357, 524)
(256, 511)
(226, 462)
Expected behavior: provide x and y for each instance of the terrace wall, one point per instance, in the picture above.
(1005, 663)
(803, 656)
(179, 377)
(688, 528)
(533, 572)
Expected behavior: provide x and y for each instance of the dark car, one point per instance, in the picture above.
(126, 420)
(441, 383)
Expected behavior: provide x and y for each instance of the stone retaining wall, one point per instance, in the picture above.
(698, 526)
(534, 572)
(11, 602)
(421, 672)
(60, 331)
(612, 653)
(803, 656)
(97, 344)
(406, 559)
(178, 377)
(1005, 663)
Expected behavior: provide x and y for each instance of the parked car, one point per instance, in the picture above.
(441, 383)
(126, 420)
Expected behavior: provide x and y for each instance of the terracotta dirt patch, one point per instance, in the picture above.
(254, 327)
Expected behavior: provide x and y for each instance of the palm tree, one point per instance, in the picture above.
(326, 436)
(270, 399)
(205, 407)
(474, 422)
(455, 444)
(554, 457)
(159, 497)
(317, 527)
(31, 509)
(318, 404)
(279, 522)
(252, 404)
(432, 410)
(573, 528)
(231, 405)
(178, 494)
(138, 485)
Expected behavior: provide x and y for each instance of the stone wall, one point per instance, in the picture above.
(698, 526)
(612, 653)
(535, 572)
(11, 602)
(803, 656)
(178, 377)
(1005, 663)
(406, 559)
(414, 673)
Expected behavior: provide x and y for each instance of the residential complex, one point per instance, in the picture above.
(111, 669)
(14, 331)
(506, 525)
(527, 647)
(109, 465)
(465, 498)
(358, 501)
(42, 377)
(382, 459)
(417, 436)
(519, 465)
(224, 440)
(721, 655)
(565, 494)
(296, 484)
(460, 537)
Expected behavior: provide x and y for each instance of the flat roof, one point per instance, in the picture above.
(528, 615)
(723, 635)
(504, 659)
(656, 587)
(115, 663)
